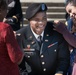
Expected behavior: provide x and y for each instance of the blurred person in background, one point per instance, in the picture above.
(69, 35)
(14, 16)
(10, 53)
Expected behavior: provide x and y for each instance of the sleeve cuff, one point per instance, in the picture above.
(15, 18)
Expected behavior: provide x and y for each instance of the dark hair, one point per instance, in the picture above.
(73, 2)
(3, 4)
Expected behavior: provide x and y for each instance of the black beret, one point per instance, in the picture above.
(35, 8)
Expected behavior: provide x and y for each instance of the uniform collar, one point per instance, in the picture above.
(36, 35)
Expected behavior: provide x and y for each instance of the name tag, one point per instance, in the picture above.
(29, 50)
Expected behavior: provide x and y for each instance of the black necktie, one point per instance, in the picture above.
(40, 40)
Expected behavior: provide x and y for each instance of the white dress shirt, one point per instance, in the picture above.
(37, 36)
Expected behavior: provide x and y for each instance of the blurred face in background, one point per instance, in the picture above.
(71, 9)
(38, 22)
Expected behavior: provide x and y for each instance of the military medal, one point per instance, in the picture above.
(28, 46)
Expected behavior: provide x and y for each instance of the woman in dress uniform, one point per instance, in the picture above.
(46, 51)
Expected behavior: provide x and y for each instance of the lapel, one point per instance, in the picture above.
(47, 39)
(31, 38)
